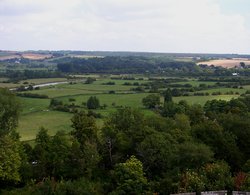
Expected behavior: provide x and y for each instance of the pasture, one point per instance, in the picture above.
(37, 113)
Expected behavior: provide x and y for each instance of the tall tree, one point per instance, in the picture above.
(9, 111)
(167, 96)
(85, 132)
(84, 127)
(129, 177)
(10, 147)
(10, 160)
(93, 103)
(122, 132)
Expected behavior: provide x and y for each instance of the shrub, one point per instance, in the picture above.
(93, 103)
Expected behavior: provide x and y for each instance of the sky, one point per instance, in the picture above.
(182, 26)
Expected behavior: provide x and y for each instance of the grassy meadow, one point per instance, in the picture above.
(36, 112)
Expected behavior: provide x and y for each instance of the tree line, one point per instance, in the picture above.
(142, 64)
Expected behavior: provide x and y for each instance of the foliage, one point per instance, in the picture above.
(50, 186)
(217, 176)
(33, 95)
(90, 80)
(85, 132)
(122, 132)
(10, 160)
(191, 181)
(9, 112)
(151, 101)
(130, 64)
(93, 103)
(129, 177)
(167, 96)
(84, 127)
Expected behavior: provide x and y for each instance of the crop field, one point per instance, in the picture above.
(31, 56)
(226, 63)
(37, 113)
(36, 56)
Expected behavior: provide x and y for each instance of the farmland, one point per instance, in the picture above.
(37, 113)
(227, 63)
(81, 114)
(113, 90)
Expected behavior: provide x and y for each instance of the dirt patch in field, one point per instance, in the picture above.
(30, 56)
(227, 63)
(9, 57)
(34, 56)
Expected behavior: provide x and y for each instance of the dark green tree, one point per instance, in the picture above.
(10, 160)
(59, 152)
(41, 155)
(84, 127)
(93, 103)
(10, 147)
(151, 101)
(167, 96)
(122, 132)
(222, 143)
(129, 177)
(158, 153)
(85, 133)
(9, 112)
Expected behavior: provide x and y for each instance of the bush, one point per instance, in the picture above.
(94, 114)
(109, 83)
(93, 103)
(33, 95)
(112, 92)
(72, 99)
(55, 102)
(151, 101)
(90, 80)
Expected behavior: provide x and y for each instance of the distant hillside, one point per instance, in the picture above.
(44, 54)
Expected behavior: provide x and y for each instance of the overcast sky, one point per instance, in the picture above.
(203, 26)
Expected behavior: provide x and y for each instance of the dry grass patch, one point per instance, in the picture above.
(227, 63)
(35, 56)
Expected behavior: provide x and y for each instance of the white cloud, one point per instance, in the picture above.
(142, 25)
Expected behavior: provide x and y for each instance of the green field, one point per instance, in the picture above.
(36, 112)
(203, 99)
(29, 81)
(54, 121)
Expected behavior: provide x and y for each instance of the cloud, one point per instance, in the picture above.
(142, 25)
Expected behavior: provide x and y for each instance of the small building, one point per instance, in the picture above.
(235, 74)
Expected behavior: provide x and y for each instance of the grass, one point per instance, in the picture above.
(225, 90)
(44, 80)
(31, 105)
(81, 88)
(36, 112)
(196, 83)
(203, 99)
(9, 85)
(59, 91)
(29, 124)
(29, 81)
(132, 100)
